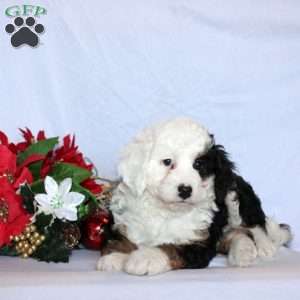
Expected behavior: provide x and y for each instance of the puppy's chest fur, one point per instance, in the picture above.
(144, 223)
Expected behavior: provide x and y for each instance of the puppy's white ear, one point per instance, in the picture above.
(134, 162)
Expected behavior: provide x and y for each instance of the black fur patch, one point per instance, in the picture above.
(250, 206)
(196, 256)
(216, 162)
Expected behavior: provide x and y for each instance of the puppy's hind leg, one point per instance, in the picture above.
(240, 247)
(242, 252)
(266, 248)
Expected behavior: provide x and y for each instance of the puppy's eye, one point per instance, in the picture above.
(167, 162)
(202, 167)
(198, 164)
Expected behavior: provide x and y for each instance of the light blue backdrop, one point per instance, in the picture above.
(105, 69)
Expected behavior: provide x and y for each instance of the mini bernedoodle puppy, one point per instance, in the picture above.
(180, 202)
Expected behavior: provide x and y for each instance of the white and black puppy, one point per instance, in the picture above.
(179, 200)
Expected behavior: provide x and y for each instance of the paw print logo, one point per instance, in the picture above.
(24, 33)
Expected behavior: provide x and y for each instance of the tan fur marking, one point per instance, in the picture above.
(122, 245)
(174, 259)
(121, 229)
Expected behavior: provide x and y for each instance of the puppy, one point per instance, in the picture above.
(180, 200)
(248, 233)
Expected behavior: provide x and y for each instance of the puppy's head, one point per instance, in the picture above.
(163, 160)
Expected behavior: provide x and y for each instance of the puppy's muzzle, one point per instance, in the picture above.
(184, 191)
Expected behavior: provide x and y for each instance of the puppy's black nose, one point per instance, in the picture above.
(184, 191)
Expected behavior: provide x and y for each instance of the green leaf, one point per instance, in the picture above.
(83, 210)
(41, 147)
(42, 221)
(8, 251)
(61, 171)
(38, 187)
(35, 169)
(54, 248)
(28, 198)
(87, 206)
(76, 187)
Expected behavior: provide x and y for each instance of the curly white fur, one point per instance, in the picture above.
(147, 200)
(147, 261)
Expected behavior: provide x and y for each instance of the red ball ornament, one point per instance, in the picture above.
(93, 236)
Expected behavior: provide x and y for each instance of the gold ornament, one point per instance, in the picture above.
(3, 210)
(32, 228)
(28, 241)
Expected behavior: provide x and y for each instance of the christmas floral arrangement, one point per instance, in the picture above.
(50, 198)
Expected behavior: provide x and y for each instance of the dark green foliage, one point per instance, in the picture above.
(38, 187)
(61, 171)
(35, 169)
(42, 221)
(28, 198)
(8, 251)
(89, 204)
(54, 248)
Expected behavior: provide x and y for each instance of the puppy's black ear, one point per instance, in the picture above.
(223, 165)
(223, 170)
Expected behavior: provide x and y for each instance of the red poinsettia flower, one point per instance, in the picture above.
(67, 153)
(4, 141)
(3, 138)
(13, 217)
(47, 164)
(9, 170)
(29, 139)
(92, 186)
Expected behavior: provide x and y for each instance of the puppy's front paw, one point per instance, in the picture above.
(147, 261)
(242, 252)
(112, 262)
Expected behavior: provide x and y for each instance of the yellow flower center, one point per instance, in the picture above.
(3, 210)
(9, 176)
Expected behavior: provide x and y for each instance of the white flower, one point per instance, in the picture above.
(58, 200)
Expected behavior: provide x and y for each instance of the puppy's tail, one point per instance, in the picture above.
(280, 234)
